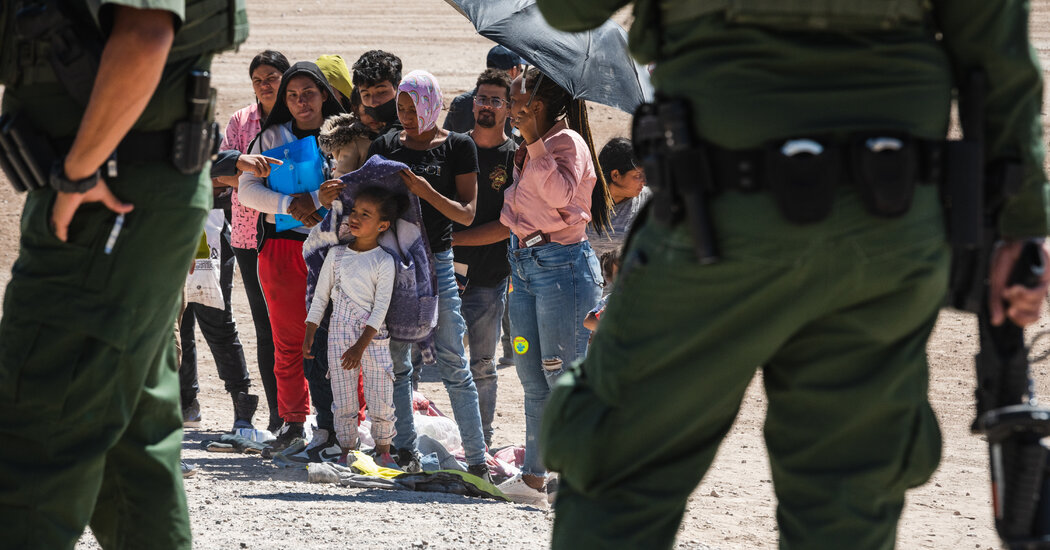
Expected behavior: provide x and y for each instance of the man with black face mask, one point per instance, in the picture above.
(376, 75)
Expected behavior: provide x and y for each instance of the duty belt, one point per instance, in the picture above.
(136, 147)
(750, 170)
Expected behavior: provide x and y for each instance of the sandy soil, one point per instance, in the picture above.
(240, 501)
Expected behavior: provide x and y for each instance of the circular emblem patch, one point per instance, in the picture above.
(521, 345)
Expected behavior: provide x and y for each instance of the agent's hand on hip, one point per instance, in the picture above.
(66, 205)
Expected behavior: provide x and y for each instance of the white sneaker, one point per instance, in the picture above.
(518, 491)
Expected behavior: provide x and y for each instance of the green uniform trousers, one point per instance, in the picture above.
(836, 314)
(89, 393)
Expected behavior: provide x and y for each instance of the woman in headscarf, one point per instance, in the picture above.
(304, 100)
(555, 276)
(443, 173)
(265, 72)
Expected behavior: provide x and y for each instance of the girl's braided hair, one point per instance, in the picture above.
(560, 103)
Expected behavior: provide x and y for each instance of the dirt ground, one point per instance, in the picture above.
(240, 501)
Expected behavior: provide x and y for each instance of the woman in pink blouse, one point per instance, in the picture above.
(265, 71)
(555, 276)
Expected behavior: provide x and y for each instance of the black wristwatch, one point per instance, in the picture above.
(59, 181)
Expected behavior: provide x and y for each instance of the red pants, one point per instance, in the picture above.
(282, 275)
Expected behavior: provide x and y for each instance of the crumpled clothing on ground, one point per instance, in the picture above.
(442, 481)
(444, 460)
(231, 443)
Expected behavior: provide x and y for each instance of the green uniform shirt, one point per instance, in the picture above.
(749, 84)
(37, 94)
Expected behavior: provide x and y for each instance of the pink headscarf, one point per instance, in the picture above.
(423, 88)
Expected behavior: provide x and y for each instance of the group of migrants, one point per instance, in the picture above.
(516, 209)
(796, 226)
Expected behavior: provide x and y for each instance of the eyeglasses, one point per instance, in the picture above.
(494, 102)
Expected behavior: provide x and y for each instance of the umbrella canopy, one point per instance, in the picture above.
(592, 65)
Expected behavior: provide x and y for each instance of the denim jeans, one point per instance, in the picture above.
(219, 330)
(452, 362)
(483, 310)
(508, 347)
(555, 286)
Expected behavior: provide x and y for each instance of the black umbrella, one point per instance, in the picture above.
(592, 65)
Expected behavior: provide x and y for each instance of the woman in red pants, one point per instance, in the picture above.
(305, 99)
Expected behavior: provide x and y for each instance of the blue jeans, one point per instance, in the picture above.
(452, 362)
(555, 286)
(483, 310)
(508, 350)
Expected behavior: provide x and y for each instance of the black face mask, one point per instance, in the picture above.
(385, 113)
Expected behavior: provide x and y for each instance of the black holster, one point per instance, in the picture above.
(677, 168)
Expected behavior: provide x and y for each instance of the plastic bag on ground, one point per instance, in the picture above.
(442, 429)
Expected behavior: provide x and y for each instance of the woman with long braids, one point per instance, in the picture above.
(556, 279)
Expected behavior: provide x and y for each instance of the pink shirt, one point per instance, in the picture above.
(242, 129)
(552, 188)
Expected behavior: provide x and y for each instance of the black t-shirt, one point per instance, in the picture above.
(439, 166)
(300, 134)
(487, 265)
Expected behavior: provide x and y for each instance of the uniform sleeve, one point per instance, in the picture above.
(992, 36)
(176, 7)
(384, 290)
(578, 15)
(323, 290)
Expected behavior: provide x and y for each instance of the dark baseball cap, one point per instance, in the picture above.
(503, 59)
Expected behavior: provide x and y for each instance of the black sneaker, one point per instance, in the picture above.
(324, 447)
(480, 470)
(288, 434)
(409, 460)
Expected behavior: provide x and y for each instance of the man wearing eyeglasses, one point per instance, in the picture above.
(460, 116)
(482, 247)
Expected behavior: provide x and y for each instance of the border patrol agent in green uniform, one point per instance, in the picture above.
(830, 289)
(88, 385)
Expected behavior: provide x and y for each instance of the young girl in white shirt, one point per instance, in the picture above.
(359, 279)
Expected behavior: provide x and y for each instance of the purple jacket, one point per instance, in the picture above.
(413, 310)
